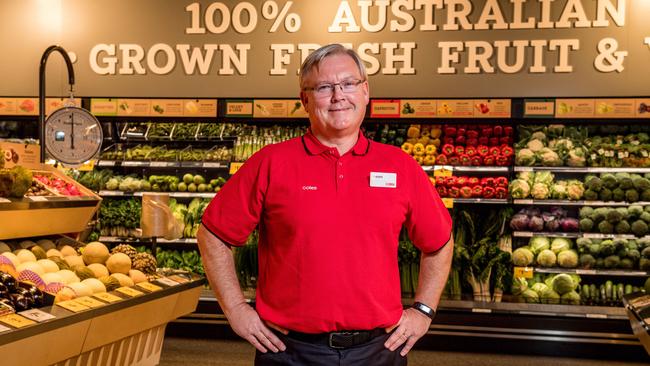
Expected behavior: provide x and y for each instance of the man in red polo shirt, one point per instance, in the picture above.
(329, 206)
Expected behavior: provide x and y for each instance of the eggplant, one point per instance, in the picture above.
(9, 281)
(26, 294)
(19, 301)
(37, 295)
(4, 291)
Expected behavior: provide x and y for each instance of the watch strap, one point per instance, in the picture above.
(424, 309)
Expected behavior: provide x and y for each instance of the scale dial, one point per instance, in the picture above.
(72, 135)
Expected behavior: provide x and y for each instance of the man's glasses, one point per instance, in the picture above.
(327, 89)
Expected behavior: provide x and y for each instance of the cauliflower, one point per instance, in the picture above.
(549, 157)
(576, 157)
(544, 177)
(519, 188)
(559, 190)
(525, 157)
(535, 145)
(575, 189)
(540, 191)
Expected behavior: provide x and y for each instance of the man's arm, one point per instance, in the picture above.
(220, 270)
(434, 270)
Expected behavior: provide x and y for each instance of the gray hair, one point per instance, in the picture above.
(314, 59)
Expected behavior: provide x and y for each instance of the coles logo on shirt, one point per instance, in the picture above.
(309, 188)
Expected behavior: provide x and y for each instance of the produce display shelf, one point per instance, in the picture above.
(163, 164)
(530, 234)
(46, 202)
(595, 272)
(487, 169)
(105, 193)
(569, 169)
(574, 203)
(497, 201)
(117, 239)
(637, 306)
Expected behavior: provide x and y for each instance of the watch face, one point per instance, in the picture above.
(72, 135)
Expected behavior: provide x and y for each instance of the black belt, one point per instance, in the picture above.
(338, 340)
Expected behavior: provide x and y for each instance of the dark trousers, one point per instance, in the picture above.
(298, 353)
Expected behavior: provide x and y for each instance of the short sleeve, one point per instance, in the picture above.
(428, 221)
(236, 209)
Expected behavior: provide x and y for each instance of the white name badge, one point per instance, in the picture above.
(383, 180)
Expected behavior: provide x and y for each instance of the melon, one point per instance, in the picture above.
(48, 265)
(65, 294)
(111, 283)
(4, 247)
(95, 285)
(83, 272)
(25, 255)
(119, 263)
(81, 289)
(99, 270)
(137, 276)
(32, 266)
(53, 253)
(38, 252)
(26, 244)
(123, 279)
(74, 260)
(67, 250)
(95, 252)
(46, 244)
(59, 262)
(68, 276)
(12, 257)
(52, 277)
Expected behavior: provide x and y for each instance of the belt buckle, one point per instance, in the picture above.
(331, 339)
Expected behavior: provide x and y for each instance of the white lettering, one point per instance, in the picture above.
(281, 57)
(151, 59)
(409, 21)
(475, 57)
(458, 15)
(563, 55)
(249, 9)
(617, 14)
(109, 67)
(224, 14)
(405, 58)
(344, 16)
(132, 56)
(429, 16)
(502, 56)
(381, 15)
(190, 62)
(239, 59)
(545, 21)
(491, 12)
(538, 56)
(449, 56)
(573, 9)
(373, 64)
(518, 14)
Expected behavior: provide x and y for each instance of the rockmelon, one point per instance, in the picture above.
(12, 257)
(59, 262)
(46, 244)
(119, 263)
(53, 253)
(83, 272)
(137, 276)
(32, 266)
(67, 250)
(123, 279)
(48, 265)
(95, 252)
(25, 255)
(73, 260)
(68, 276)
(26, 244)
(65, 294)
(99, 270)
(95, 285)
(111, 283)
(4, 247)
(38, 252)
(52, 277)
(81, 289)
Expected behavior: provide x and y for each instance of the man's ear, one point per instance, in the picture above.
(304, 98)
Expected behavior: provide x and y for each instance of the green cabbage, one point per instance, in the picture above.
(522, 257)
(568, 259)
(539, 243)
(564, 283)
(560, 244)
(546, 258)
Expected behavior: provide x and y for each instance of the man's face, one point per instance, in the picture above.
(339, 113)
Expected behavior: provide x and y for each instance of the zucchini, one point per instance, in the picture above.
(594, 294)
(603, 294)
(584, 294)
(609, 290)
(628, 289)
(620, 291)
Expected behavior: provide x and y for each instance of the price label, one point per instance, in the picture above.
(481, 310)
(212, 165)
(596, 316)
(90, 302)
(524, 272)
(37, 315)
(105, 296)
(4, 200)
(586, 271)
(135, 163)
(443, 171)
(131, 292)
(523, 234)
(106, 163)
(524, 202)
(16, 321)
(448, 202)
(234, 167)
(593, 236)
(158, 164)
(167, 281)
(3, 328)
(73, 306)
(87, 166)
(149, 286)
(37, 198)
(179, 279)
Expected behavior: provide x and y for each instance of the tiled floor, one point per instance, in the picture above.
(202, 352)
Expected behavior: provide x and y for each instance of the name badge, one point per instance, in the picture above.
(383, 180)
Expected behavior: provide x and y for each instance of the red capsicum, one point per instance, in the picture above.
(451, 181)
(471, 142)
(508, 131)
(500, 192)
(501, 182)
(487, 182)
(488, 192)
(450, 131)
(507, 151)
(473, 181)
(459, 150)
(472, 134)
(461, 131)
(448, 149)
(486, 131)
(461, 181)
(440, 181)
(483, 140)
(477, 191)
(465, 192)
(498, 130)
(502, 160)
(448, 140)
(453, 192)
(441, 159)
(460, 140)
(494, 151)
(505, 140)
(442, 191)
(470, 151)
(482, 150)
(477, 160)
(488, 160)
(493, 141)
(465, 160)
(454, 160)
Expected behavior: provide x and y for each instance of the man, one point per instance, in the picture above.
(330, 206)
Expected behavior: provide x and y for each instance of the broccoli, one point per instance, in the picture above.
(613, 216)
(587, 261)
(600, 263)
(633, 254)
(612, 261)
(623, 227)
(594, 249)
(622, 253)
(646, 208)
(586, 225)
(605, 194)
(618, 194)
(599, 214)
(21, 181)
(590, 195)
(624, 180)
(645, 216)
(624, 212)
(605, 227)
(626, 263)
(619, 243)
(639, 228)
(645, 253)
(609, 180)
(631, 195)
(594, 183)
(641, 184)
(632, 245)
(607, 247)
(586, 211)
(644, 264)
(645, 195)
(635, 210)
(646, 175)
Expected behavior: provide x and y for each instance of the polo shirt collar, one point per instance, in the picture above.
(315, 147)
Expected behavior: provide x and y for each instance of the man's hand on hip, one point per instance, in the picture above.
(411, 327)
(245, 321)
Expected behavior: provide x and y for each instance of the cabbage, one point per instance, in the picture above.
(522, 257)
(544, 177)
(530, 296)
(540, 191)
(570, 298)
(546, 258)
(539, 287)
(539, 243)
(549, 296)
(519, 285)
(525, 157)
(560, 244)
(568, 258)
(536, 223)
(564, 283)
(519, 188)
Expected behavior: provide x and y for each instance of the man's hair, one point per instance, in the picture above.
(314, 59)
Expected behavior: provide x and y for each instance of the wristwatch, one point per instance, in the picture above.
(424, 309)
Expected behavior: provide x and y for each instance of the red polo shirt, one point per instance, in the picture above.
(329, 228)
